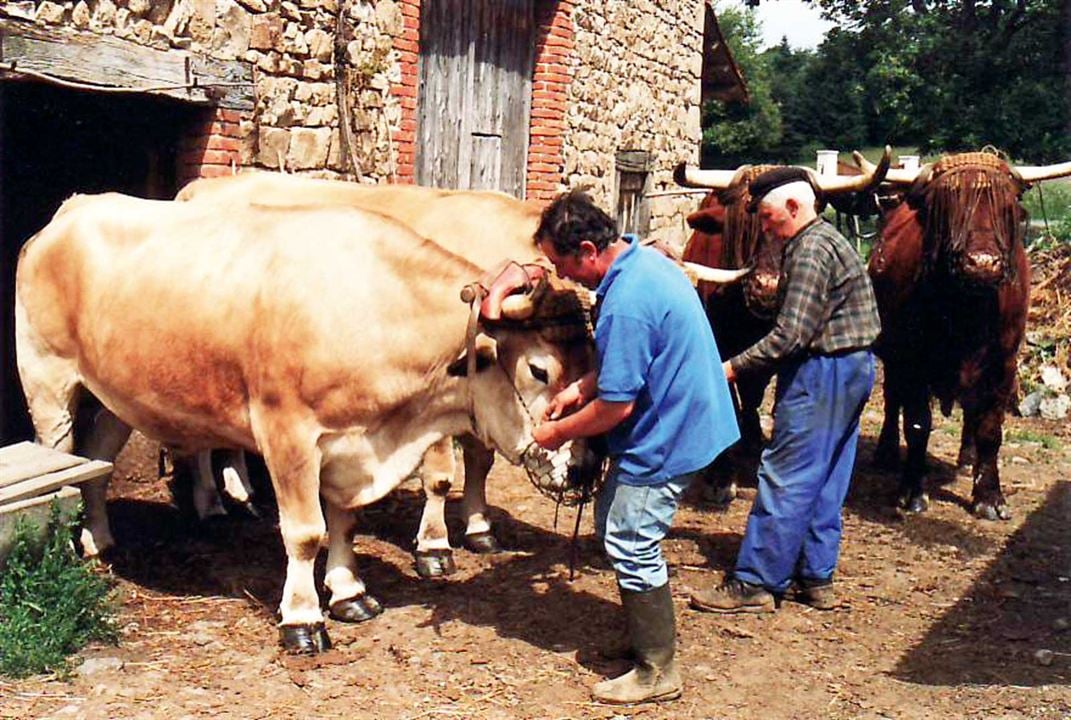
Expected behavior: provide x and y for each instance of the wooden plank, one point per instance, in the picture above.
(110, 62)
(32, 467)
(36, 486)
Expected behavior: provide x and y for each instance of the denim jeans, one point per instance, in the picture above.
(631, 520)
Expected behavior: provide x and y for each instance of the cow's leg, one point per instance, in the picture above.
(968, 448)
(294, 461)
(918, 421)
(988, 501)
(434, 556)
(102, 439)
(349, 600)
(721, 476)
(751, 391)
(478, 459)
(236, 484)
(206, 500)
(887, 452)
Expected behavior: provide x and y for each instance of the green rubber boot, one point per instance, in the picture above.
(653, 634)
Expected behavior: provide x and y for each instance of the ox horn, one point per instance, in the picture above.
(691, 176)
(1036, 173)
(720, 276)
(871, 176)
(893, 175)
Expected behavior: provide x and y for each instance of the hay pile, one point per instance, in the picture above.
(1048, 329)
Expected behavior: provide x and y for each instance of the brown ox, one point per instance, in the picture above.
(952, 283)
(331, 340)
(483, 227)
(727, 236)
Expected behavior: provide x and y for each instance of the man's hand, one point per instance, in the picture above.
(546, 435)
(567, 401)
(730, 374)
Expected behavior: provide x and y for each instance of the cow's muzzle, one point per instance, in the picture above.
(569, 475)
(982, 268)
(760, 293)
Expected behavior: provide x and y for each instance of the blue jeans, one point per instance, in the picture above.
(632, 520)
(795, 524)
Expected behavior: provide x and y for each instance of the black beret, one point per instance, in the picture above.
(771, 179)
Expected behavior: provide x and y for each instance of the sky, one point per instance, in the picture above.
(795, 19)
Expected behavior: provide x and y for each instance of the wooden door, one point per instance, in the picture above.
(475, 94)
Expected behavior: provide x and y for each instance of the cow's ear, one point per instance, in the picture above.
(485, 357)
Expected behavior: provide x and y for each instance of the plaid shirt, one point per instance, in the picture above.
(827, 303)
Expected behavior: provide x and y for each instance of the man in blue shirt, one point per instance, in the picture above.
(661, 395)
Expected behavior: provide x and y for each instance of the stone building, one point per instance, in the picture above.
(526, 96)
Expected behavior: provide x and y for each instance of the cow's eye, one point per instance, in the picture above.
(539, 373)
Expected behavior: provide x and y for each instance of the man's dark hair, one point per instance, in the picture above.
(573, 217)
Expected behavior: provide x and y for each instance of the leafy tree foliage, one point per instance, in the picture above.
(736, 133)
(944, 75)
(961, 74)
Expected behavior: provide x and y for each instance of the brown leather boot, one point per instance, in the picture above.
(733, 596)
(653, 633)
(819, 594)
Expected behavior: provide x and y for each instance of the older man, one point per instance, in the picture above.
(819, 345)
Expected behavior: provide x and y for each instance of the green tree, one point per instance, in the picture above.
(960, 74)
(736, 133)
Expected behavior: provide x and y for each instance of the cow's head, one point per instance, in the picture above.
(972, 219)
(531, 338)
(743, 244)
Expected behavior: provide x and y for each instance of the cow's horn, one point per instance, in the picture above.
(894, 175)
(721, 276)
(691, 176)
(871, 176)
(1036, 173)
(518, 307)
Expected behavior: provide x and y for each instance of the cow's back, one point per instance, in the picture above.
(179, 310)
(484, 227)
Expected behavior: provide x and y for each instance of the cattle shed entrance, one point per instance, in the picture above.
(55, 142)
(81, 113)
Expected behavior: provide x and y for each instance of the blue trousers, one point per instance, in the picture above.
(794, 528)
(631, 520)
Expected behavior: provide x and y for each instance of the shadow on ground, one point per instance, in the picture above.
(996, 634)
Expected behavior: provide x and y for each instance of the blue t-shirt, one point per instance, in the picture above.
(656, 348)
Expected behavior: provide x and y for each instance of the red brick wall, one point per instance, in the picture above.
(212, 148)
(555, 53)
(408, 48)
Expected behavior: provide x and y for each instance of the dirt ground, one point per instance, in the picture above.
(943, 614)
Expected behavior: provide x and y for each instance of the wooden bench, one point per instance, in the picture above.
(31, 477)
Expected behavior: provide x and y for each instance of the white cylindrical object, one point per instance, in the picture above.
(826, 162)
(909, 162)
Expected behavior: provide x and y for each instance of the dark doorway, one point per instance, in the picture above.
(55, 142)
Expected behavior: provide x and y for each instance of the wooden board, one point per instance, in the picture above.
(114, 63)
(28, 470)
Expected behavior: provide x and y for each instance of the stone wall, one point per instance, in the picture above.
(609, 76)
(298, 72)
(635, 86)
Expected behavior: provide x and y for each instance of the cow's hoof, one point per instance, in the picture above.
(720, 496)
(304, 639)
(991, 511)
(355, 609)
(483, 543)
(913, 503)
(434, 563)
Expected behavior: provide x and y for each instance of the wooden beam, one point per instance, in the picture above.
(108, 63)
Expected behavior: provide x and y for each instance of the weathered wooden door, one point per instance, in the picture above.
(475, 94)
